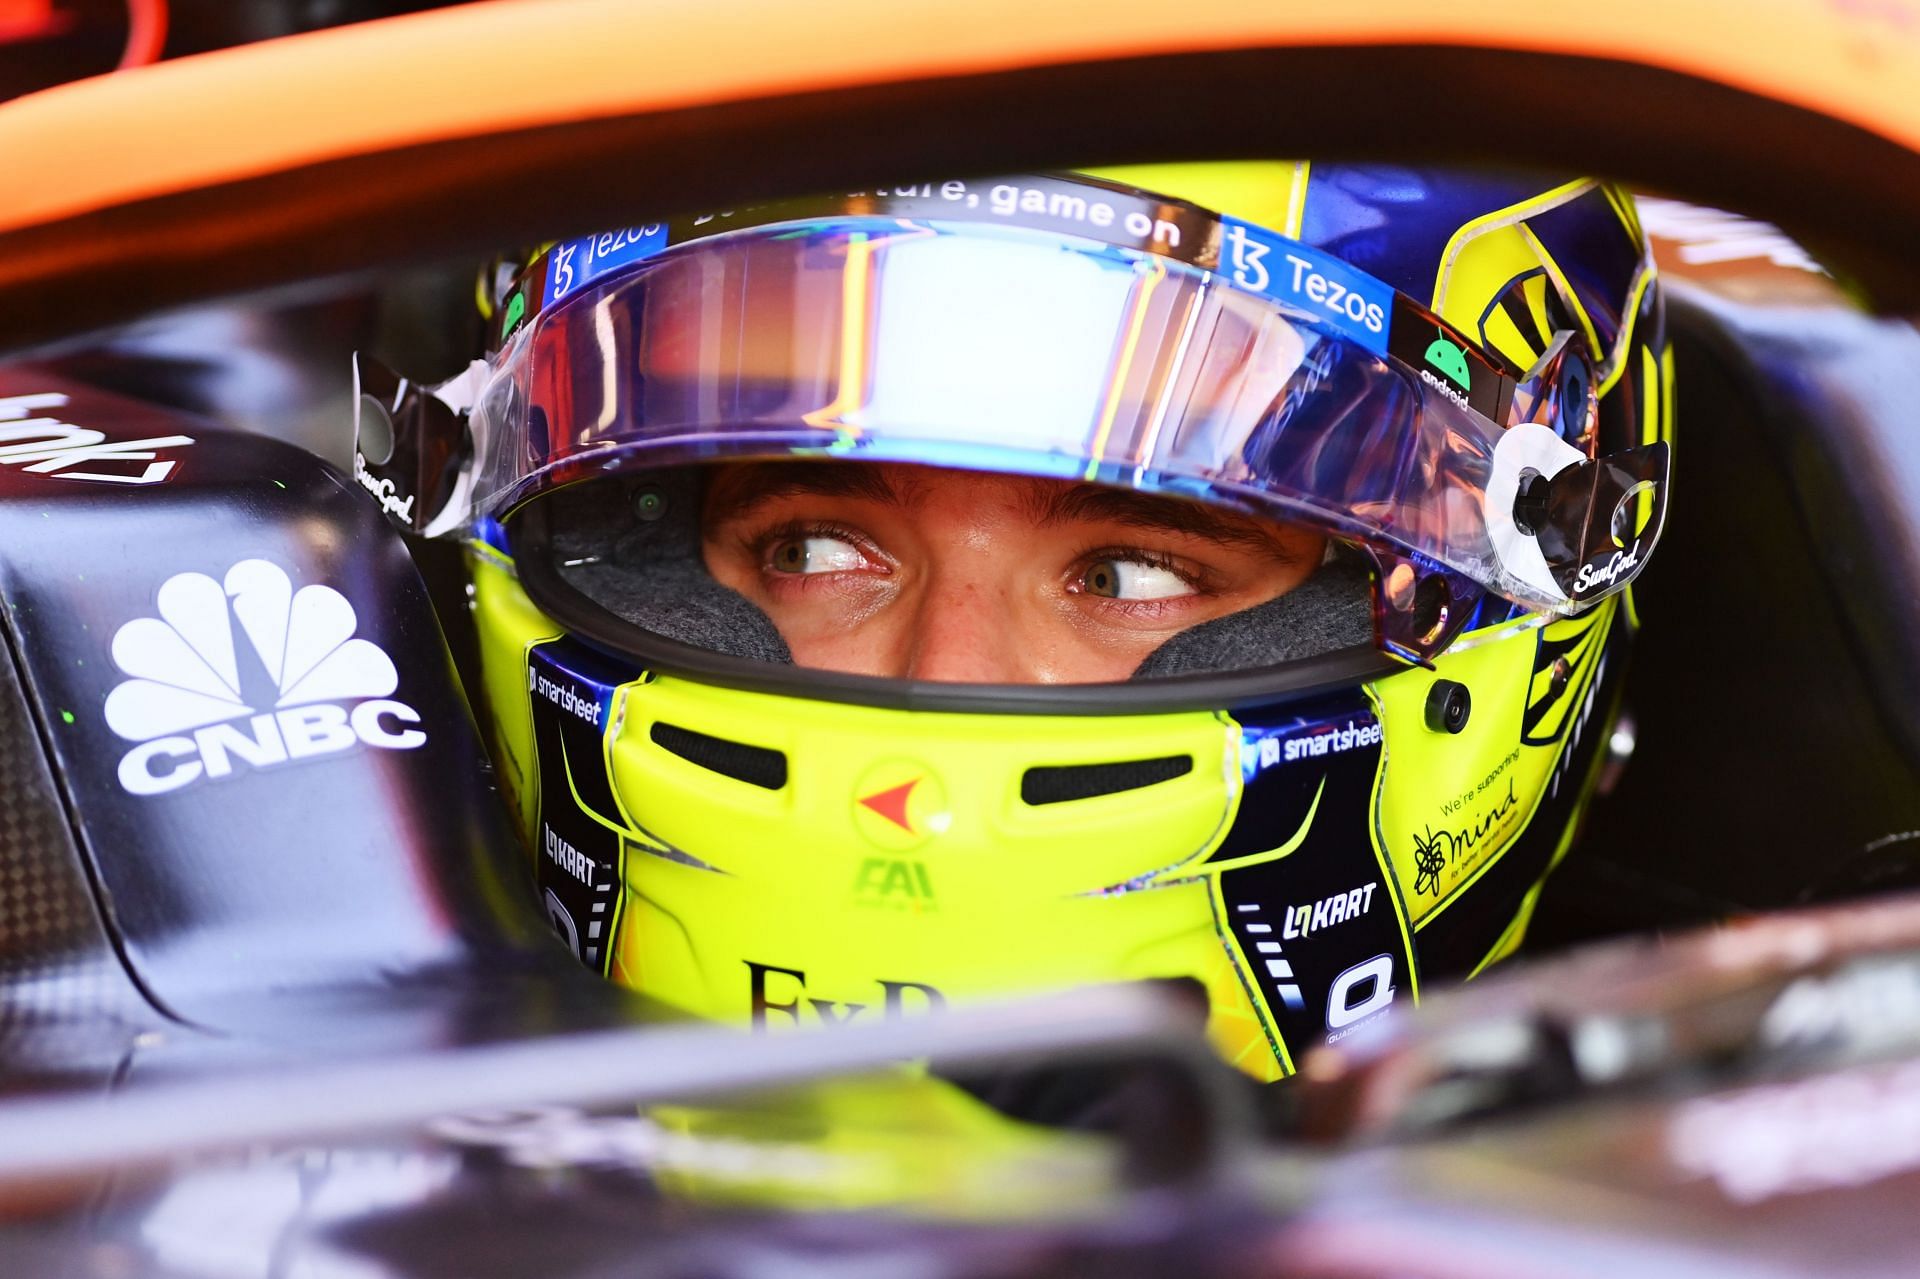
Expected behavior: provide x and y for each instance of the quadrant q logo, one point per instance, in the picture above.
(196, 702)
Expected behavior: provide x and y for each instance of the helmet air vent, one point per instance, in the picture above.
(1058, 785)
(754, 765)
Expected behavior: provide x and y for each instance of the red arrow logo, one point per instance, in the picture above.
(892, 804)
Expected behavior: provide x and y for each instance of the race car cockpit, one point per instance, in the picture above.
(278, 914)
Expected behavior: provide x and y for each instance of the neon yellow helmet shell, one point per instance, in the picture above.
(785, 861)
(897, 867)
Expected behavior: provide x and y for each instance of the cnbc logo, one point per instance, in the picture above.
(248, 671)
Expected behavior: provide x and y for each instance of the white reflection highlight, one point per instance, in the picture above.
(996, 341)
(273, 1215)
(609, 363)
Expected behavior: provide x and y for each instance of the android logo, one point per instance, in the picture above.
(1450, 360)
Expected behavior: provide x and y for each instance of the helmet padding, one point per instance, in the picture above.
(650, 571)
(1329, 611)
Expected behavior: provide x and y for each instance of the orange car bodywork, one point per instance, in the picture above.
(470, 128)
(513, 63)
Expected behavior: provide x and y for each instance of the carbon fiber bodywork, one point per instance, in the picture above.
(286, 1007)
(301, 1016)
(240, 903)
(67, 1009)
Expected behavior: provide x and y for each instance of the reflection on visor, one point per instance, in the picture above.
(1262, 385)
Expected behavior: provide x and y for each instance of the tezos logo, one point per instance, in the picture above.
(320, 691)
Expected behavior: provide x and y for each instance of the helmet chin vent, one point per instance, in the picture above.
(754, 765)
(1058, 785)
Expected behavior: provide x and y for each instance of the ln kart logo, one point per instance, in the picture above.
(48, 446)
(1309, 918)
(311, 688)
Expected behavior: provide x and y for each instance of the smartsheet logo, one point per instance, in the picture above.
(199, 704)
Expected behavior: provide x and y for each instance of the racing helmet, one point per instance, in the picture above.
(1302, 809)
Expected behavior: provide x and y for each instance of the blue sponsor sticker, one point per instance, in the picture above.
(1345, 299)
(574, 264)
(1262, 747)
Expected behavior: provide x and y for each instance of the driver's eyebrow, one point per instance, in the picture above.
(735, 491)
(1051, 505)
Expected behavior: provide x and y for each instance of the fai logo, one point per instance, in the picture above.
(48, 446)
(196, 701)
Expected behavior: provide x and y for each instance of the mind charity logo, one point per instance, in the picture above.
(316, 689)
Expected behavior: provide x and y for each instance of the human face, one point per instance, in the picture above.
(920, 573)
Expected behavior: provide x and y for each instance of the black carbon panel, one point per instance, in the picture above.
(63, 990)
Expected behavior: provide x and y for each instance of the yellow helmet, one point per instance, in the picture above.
(1305, 809)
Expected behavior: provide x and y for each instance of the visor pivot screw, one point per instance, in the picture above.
(650, 505)
(1530, 513)
(1562, 673)
(1448, 706)
(1430, 607)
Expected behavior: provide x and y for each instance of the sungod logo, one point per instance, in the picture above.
(316, 690)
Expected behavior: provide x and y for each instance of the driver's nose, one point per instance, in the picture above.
(966, 632)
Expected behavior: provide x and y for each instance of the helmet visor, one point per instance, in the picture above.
(1015, 350)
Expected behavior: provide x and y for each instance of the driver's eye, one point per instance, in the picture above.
(815, 555)
(1133, 580)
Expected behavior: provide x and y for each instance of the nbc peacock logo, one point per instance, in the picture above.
(199, 703)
